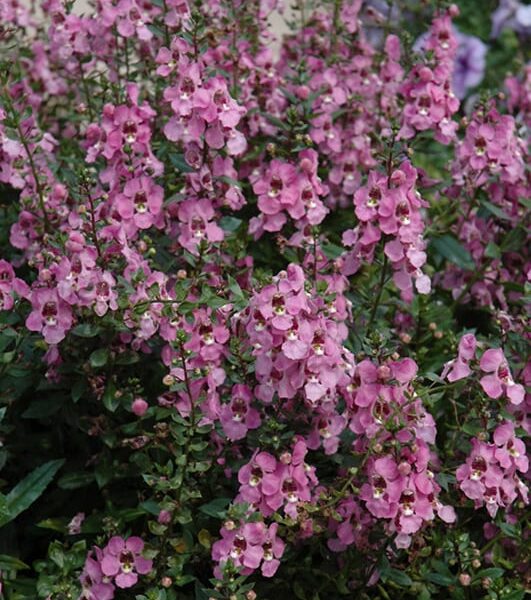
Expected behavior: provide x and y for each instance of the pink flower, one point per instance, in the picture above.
(385, 488)
(259, 482)
(95, 585)
(9, 284)
(141, 202)
(489, 475)
(238, 416)
(197, 218)
(501, 381)
(511, 451)
(459, 368)
(123, 561)
(242, 546)
(51, 315)
(249, 547)
(273, 549)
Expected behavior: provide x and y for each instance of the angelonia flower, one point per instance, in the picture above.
(490, 475)
(249, 547)
(496, 379)
(430, 99)
(118, 564)
(389, 207)
(268, 483)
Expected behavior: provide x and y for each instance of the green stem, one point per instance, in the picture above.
(86, 91)
(381, 286)
(40, 193)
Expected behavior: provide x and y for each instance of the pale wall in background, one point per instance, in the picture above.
(277, 21)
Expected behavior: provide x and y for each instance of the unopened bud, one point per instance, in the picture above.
(303, 91)
(486, 582)
(384, 372)
(453, 11)
(166, 582)
(465, 579)
(285, 458)
(139, 406)
(405, 337)
(404, 468)
(168, 380)
(164, 517)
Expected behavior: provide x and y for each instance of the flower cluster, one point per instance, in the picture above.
(430, 100)
(496, 381)
(389, 211)
(268, 484)
(249, 547)
(490, 475)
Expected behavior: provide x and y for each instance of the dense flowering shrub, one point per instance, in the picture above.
(263, 301)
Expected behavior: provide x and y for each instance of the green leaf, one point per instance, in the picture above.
(99, 357)
(216, 508)
(492, 250)
(24, 494)
(332, 251)
(59, 524)
(86, 330)
(78, 389)
(73, 481)
(10, 563)
(515, 595)
(493, 573)
(397, 576)
(230, 224)
(177, 160)
(275, 121)
(451, 249)
(440, 579)
(495, 210)
(514, 241)
(40, 409)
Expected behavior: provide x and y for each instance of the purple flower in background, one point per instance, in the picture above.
(469, 65)
(511, 14)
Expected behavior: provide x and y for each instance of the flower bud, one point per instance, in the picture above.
(303, 92)
(166, 582)
(384, 372)
(168, 379)
(465, 579)
(285, 458)
(139, 406)
(164, 517)
(404, 468)
(229, 525)
(486, 582)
